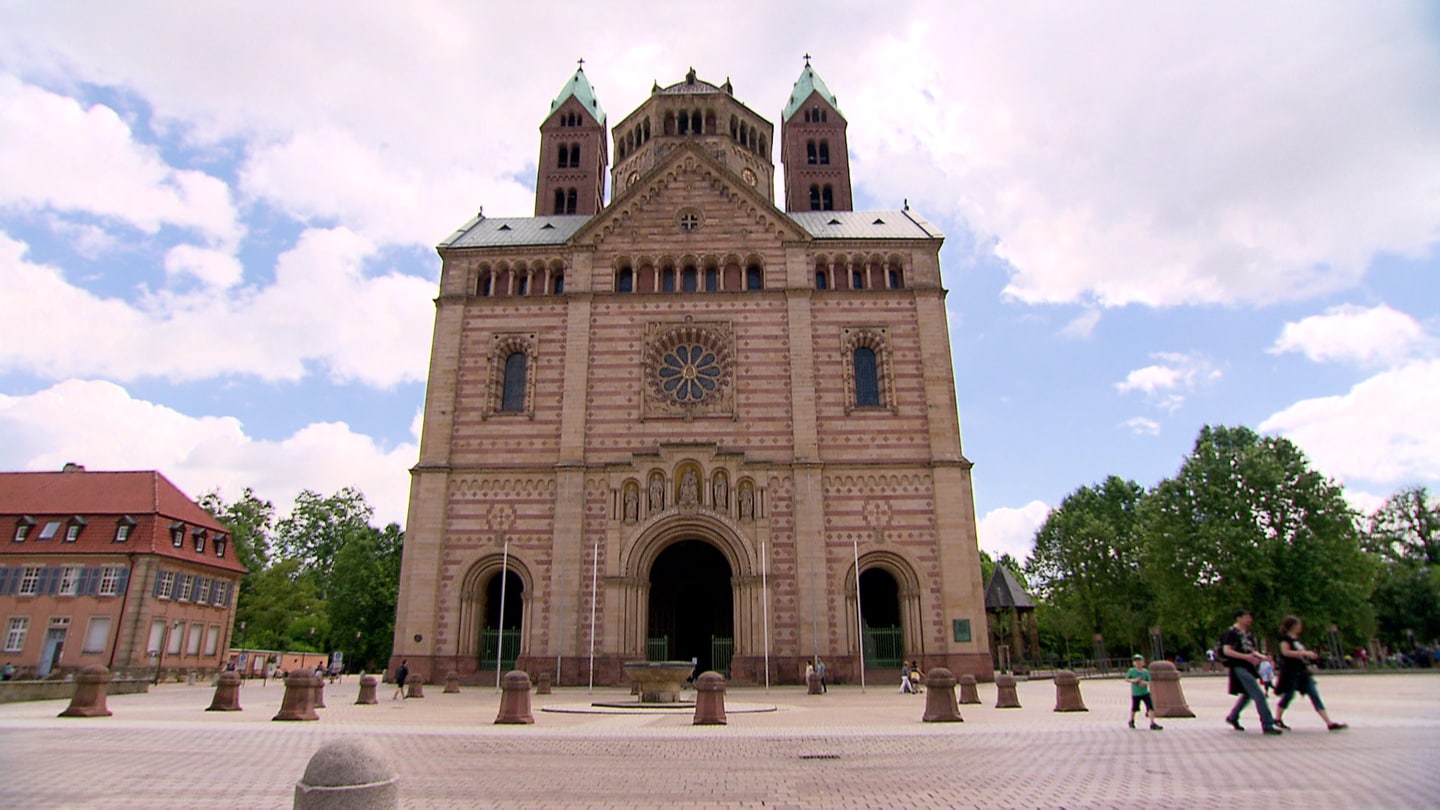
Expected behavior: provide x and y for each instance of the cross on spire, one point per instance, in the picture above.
(581, 62)
(807, 60)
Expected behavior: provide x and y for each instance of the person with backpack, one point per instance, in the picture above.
(1237, 647)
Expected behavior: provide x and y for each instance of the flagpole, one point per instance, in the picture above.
(500, 640)
(765, 607)
(859, 623)
(594, 598)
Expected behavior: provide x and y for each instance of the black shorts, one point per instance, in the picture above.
(1136, 700)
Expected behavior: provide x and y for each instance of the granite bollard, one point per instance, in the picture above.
(1067, 692)
(299, 700)
(542, 683)
(710, 700)
(969, 692)
(514, 700)
(1005, 697)
(348, 774)
(90, 689)
(452, 682)
(940, 706)
(368, 684)
(318, 699)
(227, 693)
(415, 685)
(1166, 692)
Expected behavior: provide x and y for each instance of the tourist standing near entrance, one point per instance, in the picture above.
(400, 675)
(1139, 678)
(809, 674)
(820, 673)
(1295, 675)
(905, 685)
(1237, 647)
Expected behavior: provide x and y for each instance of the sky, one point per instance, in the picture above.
(217, 220)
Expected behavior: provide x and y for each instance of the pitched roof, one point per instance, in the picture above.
(517, 231)
(580, 88)
(808, 83)
(1004, 592)
(145, 496)
(904, 224)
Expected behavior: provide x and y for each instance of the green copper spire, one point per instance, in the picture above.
(809, 82)
(580, 88)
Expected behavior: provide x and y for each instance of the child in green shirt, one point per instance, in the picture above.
(1139, 678)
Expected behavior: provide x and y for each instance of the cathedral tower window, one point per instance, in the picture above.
(669, 123)
(867, 372)
(558, 283)
(695, 121)
(689, 279)
(571, 197)
(867, 379)
(712, 279)
(857, 279)
(811, 154)
(827, 198)
(821, 283)
(824, 153)
(667, 280)
(512, 400)
(814, 198)
(522, 285)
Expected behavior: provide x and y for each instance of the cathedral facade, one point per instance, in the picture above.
(694, 422)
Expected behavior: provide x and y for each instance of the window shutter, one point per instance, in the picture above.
(89, 582)
(50, 580)
(159, 575)
(5, 578)
(122, 581)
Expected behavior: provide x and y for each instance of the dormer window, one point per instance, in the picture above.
(220, 545)
(123, 528)
(72, 532)
(177, 534)
(49, 531)
(23, 527)
(199, 535)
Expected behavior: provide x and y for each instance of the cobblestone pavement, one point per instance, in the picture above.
(845, 749)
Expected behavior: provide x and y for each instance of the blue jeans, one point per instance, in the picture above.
(1304, 684)
(1254, 692)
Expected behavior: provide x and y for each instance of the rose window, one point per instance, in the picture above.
(689, 373)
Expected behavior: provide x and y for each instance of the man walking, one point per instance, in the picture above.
(1237, 649)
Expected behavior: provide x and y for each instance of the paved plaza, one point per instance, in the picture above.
(845, 749)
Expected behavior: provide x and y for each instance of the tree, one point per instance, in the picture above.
(364, 587)
(250, 521)
(1407, 527)
(1247, 523)
(318, 527)
(283, 610)
(1086, 562)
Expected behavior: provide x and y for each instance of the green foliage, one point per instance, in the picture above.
(250, 521)
(280, 608)
(1247, 523)
(1407, 604)
(1407, 527)
(364, 586)
(318, 527)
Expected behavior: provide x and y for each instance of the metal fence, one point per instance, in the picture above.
(721, 651)
(657, 649)
(492, 640)
(884, 647)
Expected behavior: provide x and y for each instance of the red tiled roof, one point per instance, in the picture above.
(102, 499)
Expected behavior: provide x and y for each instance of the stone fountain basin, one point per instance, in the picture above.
(659, 680)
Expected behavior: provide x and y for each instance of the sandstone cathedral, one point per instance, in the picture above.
(694, 422)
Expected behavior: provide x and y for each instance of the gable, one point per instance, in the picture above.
(688, 182)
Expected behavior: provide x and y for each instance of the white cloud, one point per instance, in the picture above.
(322, 307)
(1162, 154)
(1162, 383)
(1377, 335)
(1383, 432)
(213, 268)
(100, 425)
(1010, 530)
(1141, 426)
(1082, 326)
(56, 155)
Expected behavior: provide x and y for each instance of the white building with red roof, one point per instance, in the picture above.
(120, 569)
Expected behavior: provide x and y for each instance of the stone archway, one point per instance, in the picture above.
(889, 609)
(484, 625)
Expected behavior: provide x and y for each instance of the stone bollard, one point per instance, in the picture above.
(190, 679)
(368, 684)
(452, 683)
(1005, 697)
(1067, 692)
(89, 697)
(1166, 692)
(514, 700)
(969, 693)
(319, 686)
(814, 688)
(415, 685)
(227, 693)
(348, 774)
(710, 700)
(542, 683)
(299, 700)
(635, 688)
(940, 706)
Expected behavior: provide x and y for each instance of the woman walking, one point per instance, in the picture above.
(1295, 675)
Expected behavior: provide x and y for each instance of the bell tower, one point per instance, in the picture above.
(813, 148)
(570, 174)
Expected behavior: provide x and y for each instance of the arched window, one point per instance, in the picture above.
(571, 197)
(684, 124)
(483, 288)
(646, 129)
(734, 128)
(695, 122)
(689, 280)
(523, 287)
(559, 201)
(857, 279)
(824, 153)
(712, 279)
(763, 150)
(667, 280)
(564, 156)
(814, 198)
(827, 198)
(896, 279)
(867, 378)
(626, 282)
(513, 398)
(669, 123)
(574, 155)
(810, 153)
(559, 283)
(754, 279)
(821, 283)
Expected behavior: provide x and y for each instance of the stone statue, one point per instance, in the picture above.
(632, 503)
(689, 489)
(722, 494)
(657, 494)
(747, 503)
